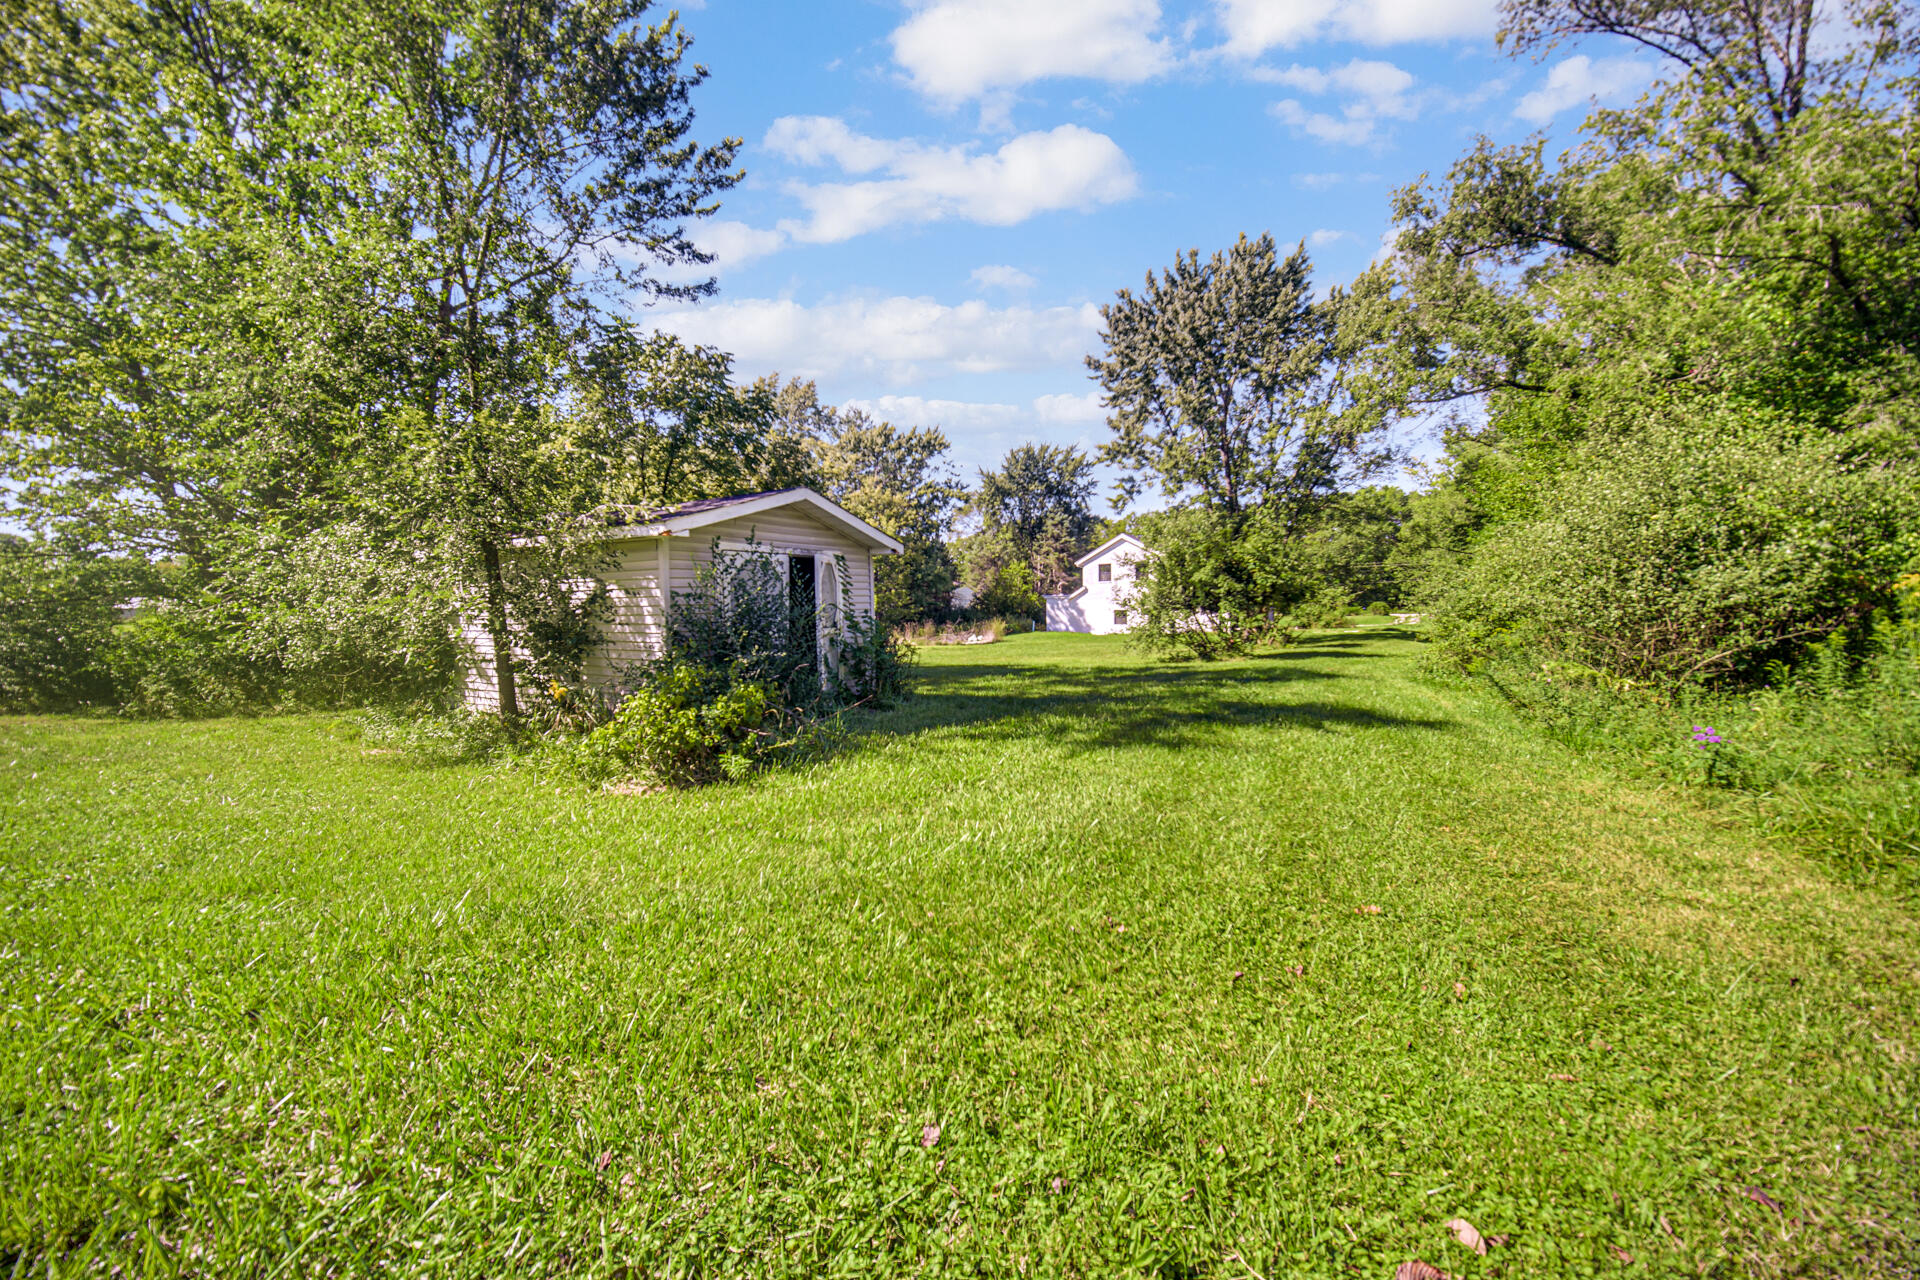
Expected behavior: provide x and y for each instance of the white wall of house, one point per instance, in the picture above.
(641, 608)
(1100, 605)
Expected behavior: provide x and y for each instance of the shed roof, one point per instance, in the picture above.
(685, 517)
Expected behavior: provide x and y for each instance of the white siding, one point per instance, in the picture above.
(640, 607)
(1095, 606)
(632, 634)
(788, 528)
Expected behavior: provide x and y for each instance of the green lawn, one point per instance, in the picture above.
(276, 1004)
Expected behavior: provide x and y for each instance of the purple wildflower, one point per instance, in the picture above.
(1705, 736)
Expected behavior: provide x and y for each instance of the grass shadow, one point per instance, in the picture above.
(1090, 707)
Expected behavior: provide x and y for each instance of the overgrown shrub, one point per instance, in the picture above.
(57, 617)
(678, 730)
(335, 618)
(1378, 609)
(1216, 585)
(1703, 548)
(745, 680)
(872, 666)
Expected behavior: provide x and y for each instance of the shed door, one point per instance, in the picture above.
(803, 606)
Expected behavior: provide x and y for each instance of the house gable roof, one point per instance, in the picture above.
(685, 517)
(1110, 545)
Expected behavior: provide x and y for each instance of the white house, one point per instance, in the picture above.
(820, 546)
(1100, 604)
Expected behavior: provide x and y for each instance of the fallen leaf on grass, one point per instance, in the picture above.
(1758, 1196)
(1464, 1232)
(1460, 990)
(1415, 1269)
(1368, 910)
(1563, 1076)
(600, 1165)
(929, 1135)
(1620, 1255)
(1298, 970)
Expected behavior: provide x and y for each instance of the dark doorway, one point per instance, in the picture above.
(802, 605)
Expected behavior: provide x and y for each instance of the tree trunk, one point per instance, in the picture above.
(497, 631)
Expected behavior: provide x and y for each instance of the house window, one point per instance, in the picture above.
(1119, 617)
(1106, 573)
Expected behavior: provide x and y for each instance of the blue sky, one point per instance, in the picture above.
(940, 193)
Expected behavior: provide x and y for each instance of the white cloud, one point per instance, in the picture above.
(1322, 181)
(1365, 78)
(1338, 130)
(1254, 26)
(1322, 238)
(1064, 168)
(899, 339)
(1373, 91)
(957, 50)
(969, 415)
(1577, 80)
(735, 244)
(1000, 277)
(827, 139)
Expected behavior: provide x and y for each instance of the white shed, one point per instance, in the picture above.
(1101, 604)
(660, 552)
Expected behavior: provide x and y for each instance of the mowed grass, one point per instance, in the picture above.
(1072, 966)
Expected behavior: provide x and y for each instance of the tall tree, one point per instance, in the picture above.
(898, 480)
(1215, 378)
(282, 264)
(547, 149)
(1039, 505)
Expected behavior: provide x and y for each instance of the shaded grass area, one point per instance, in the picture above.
(1069, 968)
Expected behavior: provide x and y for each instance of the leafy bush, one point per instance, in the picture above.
(736, 626)
(1701, 549)
(677, 730)
(872, 666)
(743, 682)
(1217, 585)
(1378, 609)
(334, 618)
(54, 629)
(178, 660)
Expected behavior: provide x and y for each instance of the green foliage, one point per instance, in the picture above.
(900, 482)
(737, 624)
(678, 730)
(1353, 540)
(1009, 593)
(1034, 512)
(748, 679)
(873, 667)
(1217, 379)
(331, 619)
(1699, 549)
(304, 266)
(1217, 585)
(56, 624)
(999, 571)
